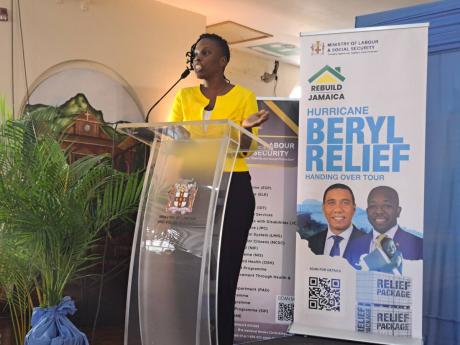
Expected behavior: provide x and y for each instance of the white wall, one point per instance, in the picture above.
(246, 69)
(144, 41)
(5, 54)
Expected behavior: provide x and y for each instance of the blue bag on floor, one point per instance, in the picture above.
(50, 326)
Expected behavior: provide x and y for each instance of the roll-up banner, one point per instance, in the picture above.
(265, 296)
(360, 185)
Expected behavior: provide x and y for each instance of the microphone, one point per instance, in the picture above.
(275, 68)
(184, 75)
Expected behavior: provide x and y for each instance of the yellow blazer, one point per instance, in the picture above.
(235, 105)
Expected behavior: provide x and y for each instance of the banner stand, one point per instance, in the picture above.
(360, 184)
(351, 336)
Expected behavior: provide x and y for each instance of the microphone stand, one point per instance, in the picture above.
(182, 76)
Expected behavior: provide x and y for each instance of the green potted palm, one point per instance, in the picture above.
(17, 276)
(52, 211)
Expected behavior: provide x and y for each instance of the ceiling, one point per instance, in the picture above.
(285, 19)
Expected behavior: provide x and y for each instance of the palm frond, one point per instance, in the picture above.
(54, 209)
(44, 122)
(16, 282)
(5, 113)
(119, 197)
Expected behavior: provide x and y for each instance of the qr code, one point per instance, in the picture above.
(324, 294)
(284, 309)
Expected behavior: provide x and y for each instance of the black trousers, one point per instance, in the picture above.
(239, 214)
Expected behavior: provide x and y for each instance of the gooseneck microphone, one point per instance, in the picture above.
(182, 76)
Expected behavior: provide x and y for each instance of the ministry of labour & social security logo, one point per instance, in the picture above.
(326, 84)
(317, 48)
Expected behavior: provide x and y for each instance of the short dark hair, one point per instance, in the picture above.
(392, 193)
(339, 186)
(222, 43)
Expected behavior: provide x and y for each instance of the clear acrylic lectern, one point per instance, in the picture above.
(172, 291)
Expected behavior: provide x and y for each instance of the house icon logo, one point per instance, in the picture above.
(327, 84)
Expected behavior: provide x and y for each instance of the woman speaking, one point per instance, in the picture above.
(215, 99)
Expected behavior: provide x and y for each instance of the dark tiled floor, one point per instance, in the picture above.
(105, 336)
(302, 340)
(112, 336)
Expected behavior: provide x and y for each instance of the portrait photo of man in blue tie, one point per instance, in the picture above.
(338, 208)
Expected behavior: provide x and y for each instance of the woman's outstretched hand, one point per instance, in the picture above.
(256, 119)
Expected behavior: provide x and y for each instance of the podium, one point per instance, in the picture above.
(172, 288)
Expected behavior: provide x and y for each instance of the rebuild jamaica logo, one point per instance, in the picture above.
(326, 84)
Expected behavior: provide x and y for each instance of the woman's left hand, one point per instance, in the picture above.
(255, 119)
